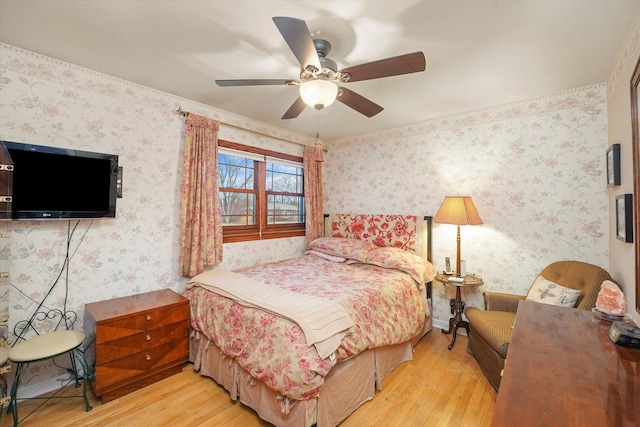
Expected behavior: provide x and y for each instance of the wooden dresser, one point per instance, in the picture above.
(136, 340)
(563, 370)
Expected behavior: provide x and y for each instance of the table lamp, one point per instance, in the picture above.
(457, 210)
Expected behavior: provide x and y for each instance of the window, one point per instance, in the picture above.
(261, 193)
(238, 189)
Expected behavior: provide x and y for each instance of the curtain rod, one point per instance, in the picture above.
(186, 113)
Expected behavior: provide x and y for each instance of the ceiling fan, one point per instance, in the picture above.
(319, 76)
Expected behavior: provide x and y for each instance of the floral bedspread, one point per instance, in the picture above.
(386, 307)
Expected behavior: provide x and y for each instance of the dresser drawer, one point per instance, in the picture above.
(138, 365)
(125, 346)
(140, 322)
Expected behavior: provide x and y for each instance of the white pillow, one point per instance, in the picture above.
(548, 292)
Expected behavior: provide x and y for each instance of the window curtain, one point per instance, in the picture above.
(201, 236)
(313, 198)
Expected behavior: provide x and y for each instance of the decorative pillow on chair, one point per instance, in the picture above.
(548, 292)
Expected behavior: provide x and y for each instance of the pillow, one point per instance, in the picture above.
(326, 256)
(346, 248)
(548, 292)
(415, 266)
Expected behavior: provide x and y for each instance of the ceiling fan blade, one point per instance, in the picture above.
(296, 33)
(358, 102)
(403, 64)
(295, 109)
(253, 82)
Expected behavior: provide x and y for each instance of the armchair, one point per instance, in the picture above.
(490, 329)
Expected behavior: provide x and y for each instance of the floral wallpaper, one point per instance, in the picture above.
(48, 102)
(535, 170)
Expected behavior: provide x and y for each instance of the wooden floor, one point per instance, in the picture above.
(438, 388)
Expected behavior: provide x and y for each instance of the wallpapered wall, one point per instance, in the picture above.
(49, 102)
(535, 170)
(622, 255)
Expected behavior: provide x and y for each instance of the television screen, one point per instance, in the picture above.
(58, 183)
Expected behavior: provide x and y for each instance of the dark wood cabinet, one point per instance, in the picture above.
(136, 340)
(563, 370)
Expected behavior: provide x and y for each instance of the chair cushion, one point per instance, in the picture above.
(4, 355)
(548, 292)
(45, 346)
(494, 327)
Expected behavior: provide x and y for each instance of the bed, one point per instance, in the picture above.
(298, 340)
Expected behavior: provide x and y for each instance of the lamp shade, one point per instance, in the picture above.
(318, 93)
(458, 210)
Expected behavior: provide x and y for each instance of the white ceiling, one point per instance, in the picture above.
(479, 53)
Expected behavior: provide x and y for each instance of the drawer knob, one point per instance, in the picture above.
(148, 317)
(148, 337)
(148, 357)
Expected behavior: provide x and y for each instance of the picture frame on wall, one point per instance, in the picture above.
(624, 218)
(613, 165)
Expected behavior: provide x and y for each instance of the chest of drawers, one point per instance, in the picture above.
(136, 340)
(563, 370)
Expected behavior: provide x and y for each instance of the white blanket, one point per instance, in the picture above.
(323, 321)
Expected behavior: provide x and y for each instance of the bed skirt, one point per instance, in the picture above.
(348, 385)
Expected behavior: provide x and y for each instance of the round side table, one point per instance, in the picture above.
(457, 305)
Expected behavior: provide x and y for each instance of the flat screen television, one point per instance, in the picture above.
(58, 183)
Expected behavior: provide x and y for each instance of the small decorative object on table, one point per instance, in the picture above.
(624, 333)
(610, 304)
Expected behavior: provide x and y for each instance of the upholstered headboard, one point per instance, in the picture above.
(408, 232)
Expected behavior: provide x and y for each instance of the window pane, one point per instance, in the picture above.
(284, 178)
(285, 209)
(237, 208)
(235, 172)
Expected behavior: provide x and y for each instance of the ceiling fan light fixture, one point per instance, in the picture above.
(318, 93)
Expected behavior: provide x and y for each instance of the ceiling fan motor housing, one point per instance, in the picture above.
(323, 47)
(329, 68)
